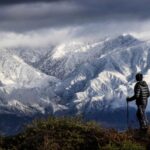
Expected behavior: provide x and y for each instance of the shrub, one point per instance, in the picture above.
(71, 134)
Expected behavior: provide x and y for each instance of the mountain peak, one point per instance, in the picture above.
(121, 41)
(127, 37)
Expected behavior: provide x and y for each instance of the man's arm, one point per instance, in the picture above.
(136, 93)
(148, 92)
(131, 98)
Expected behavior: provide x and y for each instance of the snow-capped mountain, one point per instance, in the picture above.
(73, 77)
(23, 87)
(97, 76)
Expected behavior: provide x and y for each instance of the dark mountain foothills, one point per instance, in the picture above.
(72, 133)
(12, 124)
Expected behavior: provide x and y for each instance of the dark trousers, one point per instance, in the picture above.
(141, 115)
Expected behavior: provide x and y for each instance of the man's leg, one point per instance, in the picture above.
(138, 114)
(142, 117)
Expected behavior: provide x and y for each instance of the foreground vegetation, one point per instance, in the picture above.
(74, 134)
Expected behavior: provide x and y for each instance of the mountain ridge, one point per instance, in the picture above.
(86, 78)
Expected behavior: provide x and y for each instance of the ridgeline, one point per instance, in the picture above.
(74, 134)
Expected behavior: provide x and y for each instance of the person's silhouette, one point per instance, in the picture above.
(141, 94)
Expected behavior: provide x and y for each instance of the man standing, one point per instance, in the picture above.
(141, 94)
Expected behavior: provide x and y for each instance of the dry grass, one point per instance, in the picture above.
(74, 134)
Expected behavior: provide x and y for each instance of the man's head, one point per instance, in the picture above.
(139, 77)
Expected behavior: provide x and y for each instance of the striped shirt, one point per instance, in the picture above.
(141, 93)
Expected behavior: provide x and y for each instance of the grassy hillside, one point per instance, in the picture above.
(74, 134)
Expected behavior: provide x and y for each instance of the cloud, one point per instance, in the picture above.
(52, 21)
(41, 38)
(10, 2)
(116, 9)
(82, 33)
(22, 17)
(57, 13)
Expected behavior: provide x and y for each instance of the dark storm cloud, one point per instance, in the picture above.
(53, 13)
(137, 9)
(38, 15)
(59, 21)
(10, 2)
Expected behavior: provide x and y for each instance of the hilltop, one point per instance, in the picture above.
(74, 134)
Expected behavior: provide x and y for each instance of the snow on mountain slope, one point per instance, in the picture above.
(22, 86)
(66, 57)
(31, 55)
(73, 77)
(89, 78)
(102, 76)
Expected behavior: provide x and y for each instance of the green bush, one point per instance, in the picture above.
(128, 145)
(71, 134)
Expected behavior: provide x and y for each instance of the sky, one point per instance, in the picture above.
(61, 20)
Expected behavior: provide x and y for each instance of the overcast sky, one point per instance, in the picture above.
(33, 14)
(73, 17)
